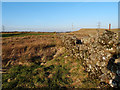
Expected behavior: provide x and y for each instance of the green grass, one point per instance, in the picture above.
(54, 74)
(23, 34)
(35, 76)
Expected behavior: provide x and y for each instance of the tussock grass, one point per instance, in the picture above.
(29, 48)
(40, 61)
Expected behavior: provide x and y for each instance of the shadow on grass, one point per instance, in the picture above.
(49, 46)
(8, 35)
(23, 34)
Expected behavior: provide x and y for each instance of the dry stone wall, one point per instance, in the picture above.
(99, 55)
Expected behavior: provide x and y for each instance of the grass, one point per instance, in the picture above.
(23, 34)
(55, 73)
(29, 48)
(18, 75)
(40, 61)
(25, 55)
(35, 76)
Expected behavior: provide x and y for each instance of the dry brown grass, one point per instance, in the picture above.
(37, 47)
(29, 48)
(52, 63)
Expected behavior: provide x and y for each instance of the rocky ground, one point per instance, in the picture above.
(100, 55)
(63, 60)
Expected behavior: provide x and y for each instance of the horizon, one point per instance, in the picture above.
(58, 16)
(63, 31)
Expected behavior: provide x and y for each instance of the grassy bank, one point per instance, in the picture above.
(40, 61)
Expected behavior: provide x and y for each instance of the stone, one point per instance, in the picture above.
(97, 54)
(42, 64)
(9, 80)
(102, 64)
(103, 58)
(110, 83)
(112, 50)
(117, 60)
(114, 83)
(104, 70)
(118, 72)
(98, 63)
(103, 77)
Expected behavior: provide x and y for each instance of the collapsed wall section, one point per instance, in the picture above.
(99, 56)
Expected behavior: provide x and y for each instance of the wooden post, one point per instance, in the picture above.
(109, 26)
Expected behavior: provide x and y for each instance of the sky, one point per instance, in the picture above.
(58, 16)
(60, 0)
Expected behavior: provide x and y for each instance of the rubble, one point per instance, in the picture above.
(99, 55)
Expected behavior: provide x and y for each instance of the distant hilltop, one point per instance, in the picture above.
(93, 31)
(97, 29)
